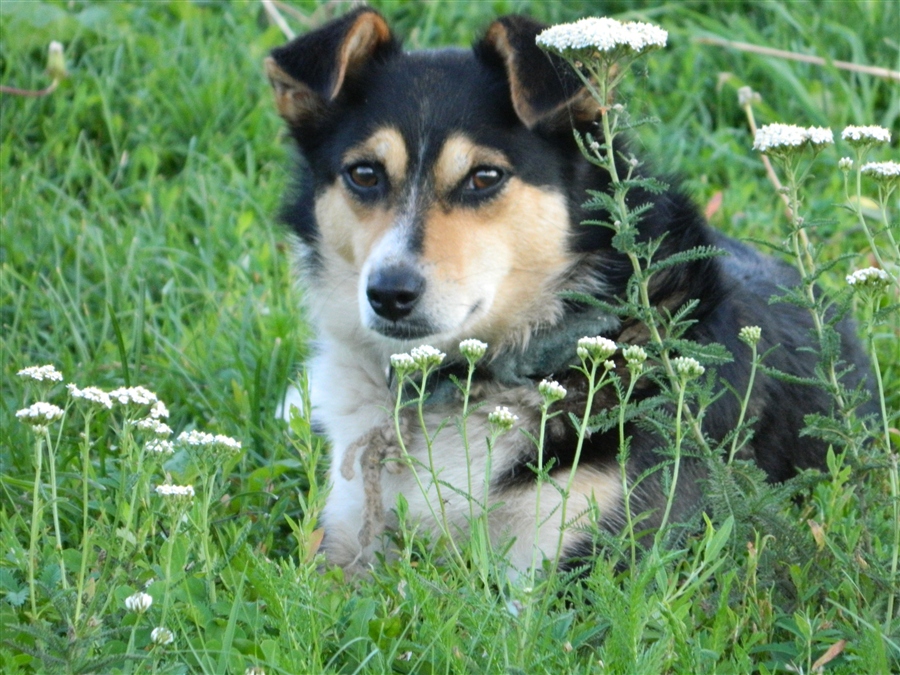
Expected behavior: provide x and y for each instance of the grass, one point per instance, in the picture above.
(139, 247)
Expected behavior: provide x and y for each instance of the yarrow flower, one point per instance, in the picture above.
(870, 278)
(634, 355)
(41, 373)
(473, 350)
(40, 414)
(402, 363)
(162, 636)
(139, 602)
(596, 348)
(133, 395)
(199, 439)
(784, 139)
(866, 136)
(176, 492)
(154, 426)
(750, 335)
(159, 446)
(159, 410)
(601, 36)
(426, 356)
(551, 391)
(91, 394)
(255, 670)
(502, 419)
(885, 173)
(687, 367)
(845, 163)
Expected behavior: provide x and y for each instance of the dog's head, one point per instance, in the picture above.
(437, 182)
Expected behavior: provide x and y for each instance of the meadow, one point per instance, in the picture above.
(140, 247)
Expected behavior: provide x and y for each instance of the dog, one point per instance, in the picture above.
(440, 196)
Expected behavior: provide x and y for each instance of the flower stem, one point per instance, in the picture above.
(36, 508)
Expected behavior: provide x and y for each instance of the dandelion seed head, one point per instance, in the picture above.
(46, 373)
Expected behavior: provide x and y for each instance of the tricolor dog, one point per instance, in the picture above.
(439, 197)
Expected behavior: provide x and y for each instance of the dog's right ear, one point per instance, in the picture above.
(308, 72)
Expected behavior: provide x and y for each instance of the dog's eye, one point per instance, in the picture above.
(363, 176)
(484, 178)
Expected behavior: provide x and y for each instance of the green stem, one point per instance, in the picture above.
(754, 363)
(85, 515)
(54, 508)
(623, 468)
(205, 534)
(36, 509)
(678, 437)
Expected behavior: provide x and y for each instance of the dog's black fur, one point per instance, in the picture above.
(340, 84)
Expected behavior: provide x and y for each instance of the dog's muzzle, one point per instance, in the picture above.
(393, 292)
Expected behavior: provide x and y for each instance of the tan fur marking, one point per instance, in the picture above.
(515, 245)
(387, 147)
(347, 227)
(294, 101)
(458, 157)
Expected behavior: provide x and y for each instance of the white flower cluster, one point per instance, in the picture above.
(551, 391)
(154, 426)
(473, 349)
(139, 602)
(426, 355)
(159, 446)
(687, 367)
(869, 278)
(41, 373)
(750, 335)
(502, 419)
(162, 636)
(176, 493)
(90, 394)
(866, 135)
(882, 170)
(202, 439)
(40, 414)
(133, 395)
(602, 35)
(634, 355)
(402, 363)
(596, 348)
(785, 137)
(158, 410)
(845, 163)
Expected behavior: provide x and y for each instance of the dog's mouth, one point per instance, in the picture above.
(403, 330)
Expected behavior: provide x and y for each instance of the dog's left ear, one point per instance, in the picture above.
(543, 88)
(309, 72)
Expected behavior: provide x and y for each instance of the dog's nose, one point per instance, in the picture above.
(394, 291)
